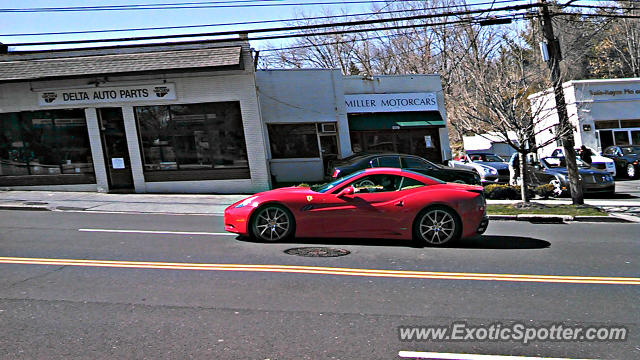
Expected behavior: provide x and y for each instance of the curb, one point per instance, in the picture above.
(560, 219)
(24, 208)
(626, 218)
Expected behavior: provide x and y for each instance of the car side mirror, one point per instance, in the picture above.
(348, 191)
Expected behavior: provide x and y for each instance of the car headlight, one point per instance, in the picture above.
(489, 171)
(246, 202)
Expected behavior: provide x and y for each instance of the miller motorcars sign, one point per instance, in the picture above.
(361, 103)
(97, 95)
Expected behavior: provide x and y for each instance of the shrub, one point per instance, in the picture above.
(303, 185)
(545, 191)
(502, 192)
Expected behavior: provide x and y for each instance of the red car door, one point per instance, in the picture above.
(371, 212)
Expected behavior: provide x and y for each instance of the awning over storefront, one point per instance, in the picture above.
(380, 121)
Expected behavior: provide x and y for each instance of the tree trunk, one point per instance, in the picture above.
(577, 197)
(524, 195)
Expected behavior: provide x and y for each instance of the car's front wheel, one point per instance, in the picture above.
(272, 223)
(437, 226)
(557, 187)
(631, 171)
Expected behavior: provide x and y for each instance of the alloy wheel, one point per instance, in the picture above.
(272, 224)
(437, 227)
(557, 187)
(631, 171)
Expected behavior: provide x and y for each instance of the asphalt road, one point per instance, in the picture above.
(146, 303)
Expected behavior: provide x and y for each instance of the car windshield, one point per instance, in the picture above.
(485, 158)
(631, 150)
(559, 162)
(326, 187)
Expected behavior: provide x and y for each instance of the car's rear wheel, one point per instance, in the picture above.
(437, 226)
(272, 223)
(631, 171)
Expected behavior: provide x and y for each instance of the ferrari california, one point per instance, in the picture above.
(386, 203)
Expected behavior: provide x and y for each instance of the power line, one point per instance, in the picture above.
(619, 16)
(254, 22)
(602, 7)
(396, 27)
(289, 28)
(220, 4)
(374, 38)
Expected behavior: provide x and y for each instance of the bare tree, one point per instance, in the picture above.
(496, 100)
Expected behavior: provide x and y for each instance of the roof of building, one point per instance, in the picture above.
(16, 68)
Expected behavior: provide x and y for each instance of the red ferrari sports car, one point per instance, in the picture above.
(373, 203)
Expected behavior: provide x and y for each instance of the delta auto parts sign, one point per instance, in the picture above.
(101, 95)
(370, 103)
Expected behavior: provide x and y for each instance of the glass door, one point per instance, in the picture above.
(116, 151)
(606, 139)
(621, 137)
(635, 137)
(329, 150)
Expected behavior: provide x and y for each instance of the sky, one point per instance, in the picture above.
(20, 23)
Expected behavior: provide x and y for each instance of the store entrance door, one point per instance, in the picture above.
(606, 139)
(115, 149)
(329, 150)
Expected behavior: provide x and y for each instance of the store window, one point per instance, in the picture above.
(290, 141)
(607, 124)
(630, 123)
(621, 137)
(192, 142)
(45, 148)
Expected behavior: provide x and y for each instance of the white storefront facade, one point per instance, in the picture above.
(198, 118)
(175, 118)
(315, 115)
(602, 112)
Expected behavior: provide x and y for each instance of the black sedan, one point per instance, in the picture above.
(627, 159)
(553, 170)
(357, 162)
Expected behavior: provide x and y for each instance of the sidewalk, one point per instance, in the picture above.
(100, 202)
(194, 204)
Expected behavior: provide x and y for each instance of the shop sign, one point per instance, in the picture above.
(101, 95)
(372, 103)
(595, 92)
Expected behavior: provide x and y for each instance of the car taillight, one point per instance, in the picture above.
(335, 173)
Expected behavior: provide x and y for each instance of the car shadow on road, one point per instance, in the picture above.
(501, 242)
(497, 242)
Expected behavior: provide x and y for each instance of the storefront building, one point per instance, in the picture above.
(315, 115)
(602, 112)
(403, 114)
(161, 118)
(197, 118)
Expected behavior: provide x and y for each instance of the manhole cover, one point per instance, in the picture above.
(317, 252)
(35, 203)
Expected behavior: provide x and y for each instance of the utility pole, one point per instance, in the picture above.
(565, 129)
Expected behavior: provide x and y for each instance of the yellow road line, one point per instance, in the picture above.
(327, 271)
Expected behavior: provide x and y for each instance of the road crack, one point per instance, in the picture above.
(39, 276)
